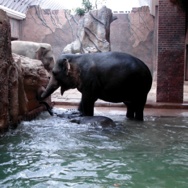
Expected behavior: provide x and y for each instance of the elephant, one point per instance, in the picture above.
(109, 76)
(94, 120)
(34, 50)
(75, 117)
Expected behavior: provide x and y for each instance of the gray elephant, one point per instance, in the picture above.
(110, 76)
(34, 50)
(75, 117)
(95, 121)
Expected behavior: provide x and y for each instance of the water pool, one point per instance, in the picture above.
(52, 152)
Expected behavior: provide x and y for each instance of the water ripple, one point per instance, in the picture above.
(52, 152)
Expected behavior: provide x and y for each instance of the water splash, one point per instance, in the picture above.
(53, 152)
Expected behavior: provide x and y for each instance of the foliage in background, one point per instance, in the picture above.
(87, 6)
(80, 11)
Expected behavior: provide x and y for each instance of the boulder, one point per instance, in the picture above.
(93, 32)
(31, 77)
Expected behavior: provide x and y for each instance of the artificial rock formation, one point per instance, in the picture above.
(20, 80)
(25, 78)
(93, 32)
(6, 62)
(31, 77)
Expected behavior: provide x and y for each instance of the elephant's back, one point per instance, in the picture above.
(109, 60)
(115, 71)
(111, 65)
(118, 63)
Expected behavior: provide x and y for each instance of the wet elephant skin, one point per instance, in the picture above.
(109, 76)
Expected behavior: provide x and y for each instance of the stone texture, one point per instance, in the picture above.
(33, 76)
(6, 67)
(48, 26)
(124, 32)
(93, 32)
(133, 33)
(20, 80)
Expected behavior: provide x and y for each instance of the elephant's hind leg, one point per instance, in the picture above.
(135, 110)
(139, 109)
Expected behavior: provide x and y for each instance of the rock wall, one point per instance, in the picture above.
(6, 63)
(49, 27)
(31, 77)
(20, 79)
(131, 33)
(93, 33)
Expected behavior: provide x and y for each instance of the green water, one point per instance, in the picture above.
(52, 152)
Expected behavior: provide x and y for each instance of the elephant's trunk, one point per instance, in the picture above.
(52, 86)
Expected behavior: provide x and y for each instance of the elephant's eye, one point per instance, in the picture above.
(54, 73)
(50, 58)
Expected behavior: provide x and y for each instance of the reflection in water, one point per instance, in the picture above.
(52, 152)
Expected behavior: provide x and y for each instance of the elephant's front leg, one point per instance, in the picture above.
(130, 110)
(86, 106)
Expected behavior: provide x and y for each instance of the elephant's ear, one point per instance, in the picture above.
(40, 53)
(66, 65)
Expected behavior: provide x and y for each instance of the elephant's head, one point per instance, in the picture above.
(45, 54)
(64, 75)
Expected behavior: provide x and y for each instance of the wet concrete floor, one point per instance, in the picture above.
(71, 99)
(122, 111)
